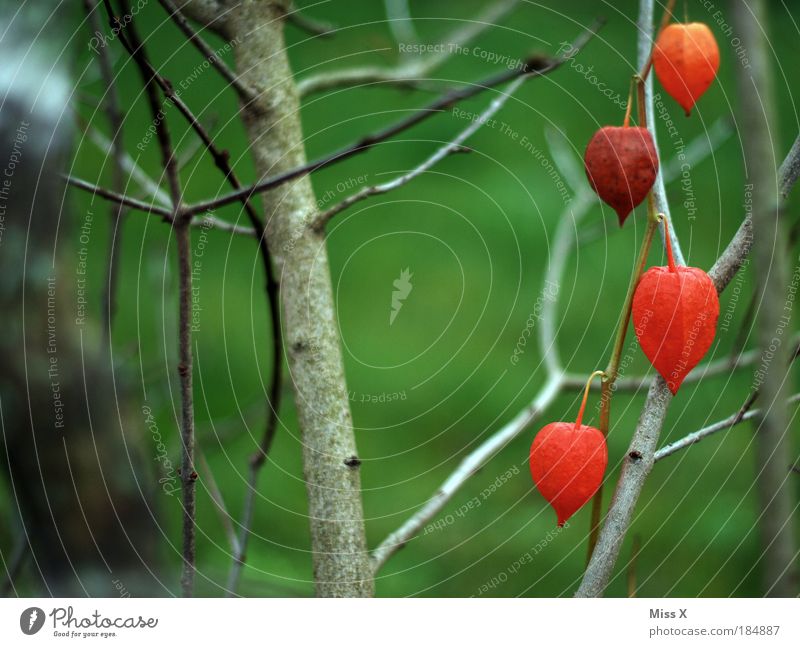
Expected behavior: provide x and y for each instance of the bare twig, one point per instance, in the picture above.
(713, 368)
(219, 501)
(743, 415)
(466, 469)
(245, 94)
(221, 159)
(147, 184)
(147, 207)
(451, 147)
(413, 69)
(129, 36)
(535, 66)
(398, 15)
(256, 463)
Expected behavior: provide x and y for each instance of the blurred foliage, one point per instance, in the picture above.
(475, 233)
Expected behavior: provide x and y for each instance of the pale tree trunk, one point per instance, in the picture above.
(331, 465)
(773, 454)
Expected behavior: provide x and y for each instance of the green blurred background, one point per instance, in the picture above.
(476, 234)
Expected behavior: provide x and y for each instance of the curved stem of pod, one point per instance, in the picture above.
(579, 419)
(612, 370)
(670, 258)
(629, 107)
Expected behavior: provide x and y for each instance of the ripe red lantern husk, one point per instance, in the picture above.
(621, 164)
(675, 311)
(568, 461)
(686, 60)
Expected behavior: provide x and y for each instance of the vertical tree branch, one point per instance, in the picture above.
(331, 465)
(773, 454)
(182, 226)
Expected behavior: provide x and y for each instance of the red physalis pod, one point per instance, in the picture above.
(686, 60)
(621, 164)
(568, 461)
(675, 311)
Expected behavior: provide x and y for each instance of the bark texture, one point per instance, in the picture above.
(331, 465)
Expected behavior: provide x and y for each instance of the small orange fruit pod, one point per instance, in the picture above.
(686, 60)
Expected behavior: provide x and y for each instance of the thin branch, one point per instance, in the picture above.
(113, 196)
(411, 70)
(743, 415)
(468, 467)
(257, 461)
(722, 366)
(451, 147)
(129, 37)
(221, 159)
(219, 501)
(398, 15)
(246, 94)
(147, 184)
(534, 66)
